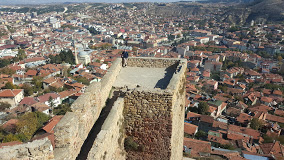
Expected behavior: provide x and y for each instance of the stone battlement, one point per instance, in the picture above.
(143, 101)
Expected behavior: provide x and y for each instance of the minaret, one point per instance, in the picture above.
(75, 51)
(76, 56)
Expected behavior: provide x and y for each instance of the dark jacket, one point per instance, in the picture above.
(124, 54)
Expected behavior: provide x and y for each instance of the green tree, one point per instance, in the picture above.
(7, 71)
(64, 56)
(203, 108)
(9, 85)
(29, 123)
(4, 63)
(41, 118)
(21, 54)
(10, 138)
(256, 124)
(82, 80)
(28, 89)
(37, 82)
(267, 139)
(228, 146)
(200, 135)
(62, 109)
(51, 104)
(234, 29)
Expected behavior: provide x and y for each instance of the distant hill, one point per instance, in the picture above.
(258, 10)
(231, 1)
(267, 10)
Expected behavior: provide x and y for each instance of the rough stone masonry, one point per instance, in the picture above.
(150, 111)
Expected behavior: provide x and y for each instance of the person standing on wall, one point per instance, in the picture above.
(124, 56)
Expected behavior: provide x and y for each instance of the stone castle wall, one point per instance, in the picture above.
(109, 142)
(150, 62)
(153, 118)
(177, 85)
(73, 129)
(148, 120)
(38, 150)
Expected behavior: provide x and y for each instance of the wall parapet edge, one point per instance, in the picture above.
(73, 129)
(108, 145)
(38, 149)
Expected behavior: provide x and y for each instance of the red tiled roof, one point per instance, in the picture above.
(260, 108)
(10, 93)
(192, 114)
(274, 118)
(40, 106)
(31, 72)
(248, 131)
(49, 80)
(51, 124)
(66, 93)
(197, 146)
(273, 148)
(277, 92)
(221, 125)
(57, 85)
(46, 96)
(190, 128)
(279, 112)
(244, 118)
(207, 119)
(266, 99)
(28, 101)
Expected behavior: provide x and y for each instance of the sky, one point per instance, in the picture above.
(5, 2)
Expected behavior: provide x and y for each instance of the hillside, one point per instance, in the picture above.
(230, 1)
(259, 11)
(267, 10)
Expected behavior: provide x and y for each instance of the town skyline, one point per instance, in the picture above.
(23, 2)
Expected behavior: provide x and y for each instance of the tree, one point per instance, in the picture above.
(216, 76)
(9, 85)
(21, 54)
(4, 105)
(233, 29)
(62, 109)
(200, 135)
(4, 63)
(94, 31)
(28, 90)
(279, 58)
(41, 118)
(82, 80)
(267, 139)
(37, 82)
(29, 123)
(8, 71)
(228, 146)
(64, 56)
(50, 102)
(203, 108)
(10, 138)
(256, 124)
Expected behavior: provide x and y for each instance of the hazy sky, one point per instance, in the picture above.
(52, 1)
